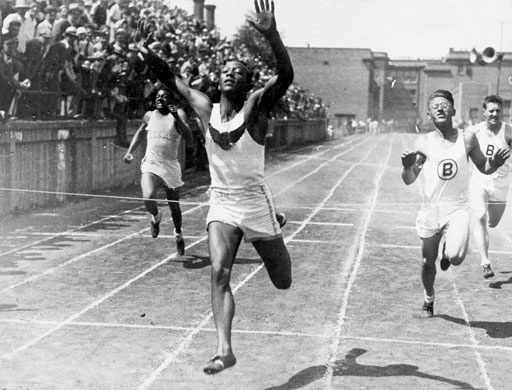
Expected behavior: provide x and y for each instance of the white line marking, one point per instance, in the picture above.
(97, 302)
(333, 350)
(324, 223)
(172, 356)
(65, 233)
(472, 338)
(260, 332)
(316, 242)
(77, 258)
(428, 343)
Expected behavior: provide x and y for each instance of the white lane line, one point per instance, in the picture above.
(428, 343)
(312, 157)
(324, 223)
(333, 350)
(418, 247)
(474, 343)
(55, 235)
(316, 242)
(113, 292)
(97, 302)
(160, 327)
(259, 332)
(79, 257)
(317, 169)
(171, 357)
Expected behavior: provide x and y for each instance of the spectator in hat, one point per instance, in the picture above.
(99, 13)
(72, 15)
(85, 18)
(59, 75)
(44, 29)
(12, 30)
(28, 27)
(27, 105)
(21, 7)
(9, 84)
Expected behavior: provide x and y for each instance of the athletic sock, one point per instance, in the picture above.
(429, 299)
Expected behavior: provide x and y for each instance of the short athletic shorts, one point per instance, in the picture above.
(168, 171)
(496, 189)
(250, 209)
(433, 219)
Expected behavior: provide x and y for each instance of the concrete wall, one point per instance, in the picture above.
(43, 163)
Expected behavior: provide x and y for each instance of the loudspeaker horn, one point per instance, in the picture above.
(489, 55)
(473, 56)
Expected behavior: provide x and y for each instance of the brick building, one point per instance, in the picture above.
(359, 84)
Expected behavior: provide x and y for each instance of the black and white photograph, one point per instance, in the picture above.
(255, 194)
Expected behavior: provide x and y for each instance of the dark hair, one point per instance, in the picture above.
(442, 93)
(492, 99)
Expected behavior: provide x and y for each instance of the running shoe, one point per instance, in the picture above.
(155, 229)
(487, 270)
(180, 246)
(180, 243)
(281, 219)
(155, 226)
(444, 263)
(428, 309)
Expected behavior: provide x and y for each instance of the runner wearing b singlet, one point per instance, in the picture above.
(442, 156)
(489, 192)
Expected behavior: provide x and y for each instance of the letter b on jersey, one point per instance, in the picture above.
(447, 169)
(489, 151)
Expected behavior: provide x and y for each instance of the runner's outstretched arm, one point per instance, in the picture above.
(265, 23)
(199, 102)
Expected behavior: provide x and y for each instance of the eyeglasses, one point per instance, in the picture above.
(443, 106)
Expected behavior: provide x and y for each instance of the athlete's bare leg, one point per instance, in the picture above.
(429, 251)
(496, 210)
(276, 258)
(223, 243)
(149, 184)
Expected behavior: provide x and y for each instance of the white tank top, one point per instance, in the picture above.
(240, 166)
(446, 170)
(489, 144)
(163, 140)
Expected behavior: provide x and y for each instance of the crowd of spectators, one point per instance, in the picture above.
(78, 60)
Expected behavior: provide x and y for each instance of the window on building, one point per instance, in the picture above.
(506, 110)
(473, 115)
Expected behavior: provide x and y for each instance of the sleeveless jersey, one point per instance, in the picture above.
(489, 144)
(445, 171)
(240, 166)
(163, 140)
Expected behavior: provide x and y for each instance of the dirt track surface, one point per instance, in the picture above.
(88, 300)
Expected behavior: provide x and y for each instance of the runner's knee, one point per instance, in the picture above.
(220, 275)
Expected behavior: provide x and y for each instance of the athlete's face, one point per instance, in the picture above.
(440, 110)
(492, 114)
(233, 77)
(162, 99)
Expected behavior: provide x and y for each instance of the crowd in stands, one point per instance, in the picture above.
(79, 60)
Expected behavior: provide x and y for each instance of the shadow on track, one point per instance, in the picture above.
(349, 367)
(497, 330)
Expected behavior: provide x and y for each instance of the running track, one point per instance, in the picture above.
(88, 300)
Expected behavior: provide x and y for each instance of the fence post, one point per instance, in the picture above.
(64, 164)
